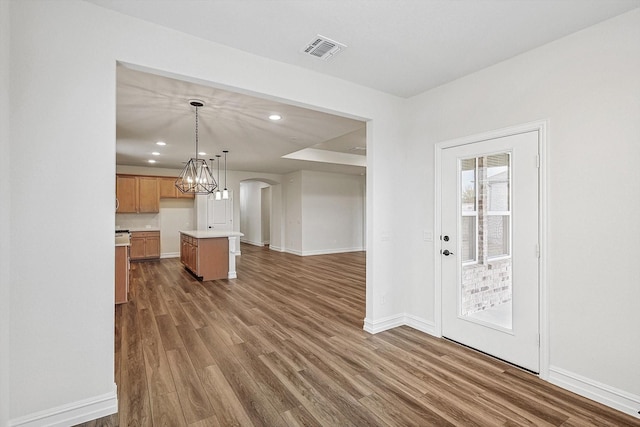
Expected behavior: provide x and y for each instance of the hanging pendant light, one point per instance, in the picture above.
(225, 192)
(218, 192)
(196, 177)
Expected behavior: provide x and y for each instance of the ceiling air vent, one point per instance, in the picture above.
(322, 48)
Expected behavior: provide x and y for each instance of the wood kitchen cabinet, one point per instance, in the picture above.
(126, 194)
(137, 194)
(148, 200)
(145, 245)
(206, 258)
(167, 189)
(122, 274)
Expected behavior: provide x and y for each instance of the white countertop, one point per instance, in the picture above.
(210, 234)
(122, 240)
(133, 230)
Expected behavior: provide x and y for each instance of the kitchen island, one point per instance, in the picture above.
(208, 254)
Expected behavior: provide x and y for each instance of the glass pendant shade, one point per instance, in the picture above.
(218, 195)
(225, 194)
(196, 178)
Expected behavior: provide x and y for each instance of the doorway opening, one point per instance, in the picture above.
(256, 211)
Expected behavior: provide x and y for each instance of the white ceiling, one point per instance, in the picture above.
(151, 108)
(402, 47)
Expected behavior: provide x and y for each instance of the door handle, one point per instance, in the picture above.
(446, 252)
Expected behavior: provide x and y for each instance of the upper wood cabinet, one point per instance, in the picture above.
(126, 194)
(137, 194)
(142, 194)
(168, 190)
(148, 200)
(166, 187)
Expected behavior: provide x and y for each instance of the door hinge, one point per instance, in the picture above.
(538, 339)
(537, 250)
(538, 161)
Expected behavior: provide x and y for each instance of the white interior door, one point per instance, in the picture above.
(489, 247)
(220, 213)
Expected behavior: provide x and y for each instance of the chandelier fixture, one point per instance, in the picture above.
(196, 177)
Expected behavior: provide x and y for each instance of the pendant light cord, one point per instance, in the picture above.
(225, 168)
(218, 156)
(196, 132)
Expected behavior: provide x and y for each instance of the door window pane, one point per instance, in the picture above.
(468, 239)
(485, 239)
(498, 235)
(468, 207)
(497, 182)
(468, 184)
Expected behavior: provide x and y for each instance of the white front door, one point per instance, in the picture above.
(489, 247)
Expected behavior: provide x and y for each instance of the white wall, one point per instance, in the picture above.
(175, 215)
(5, 213)
(292, 189)
(332, 212)
(63, 53)
(324, 212)
(276, 233)
(265, 208)
(587, 86)
(62, 311)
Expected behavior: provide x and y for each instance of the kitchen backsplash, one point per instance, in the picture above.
(132, 220)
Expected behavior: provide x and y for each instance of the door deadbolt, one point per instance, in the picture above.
(445, 238)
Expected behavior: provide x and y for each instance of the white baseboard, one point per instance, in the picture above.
(316, 252)
(72, 413)
(602, 393)
(386, 323)
(170, 255)
(420, 324)
(331, 251)
(251, 242)
(401, 319)
(292, 251)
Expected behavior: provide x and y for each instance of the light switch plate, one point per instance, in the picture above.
(427, 236)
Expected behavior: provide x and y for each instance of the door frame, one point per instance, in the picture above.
(543, 295)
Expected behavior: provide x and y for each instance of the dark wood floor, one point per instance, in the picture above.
(283, 345)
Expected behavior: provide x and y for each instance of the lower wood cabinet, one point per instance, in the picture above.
(206, 258)
(122, 274)
(145, 245)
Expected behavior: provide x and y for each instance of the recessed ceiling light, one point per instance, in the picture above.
(155, 153)
(275, 117)
(161, 143)
(151, 161)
